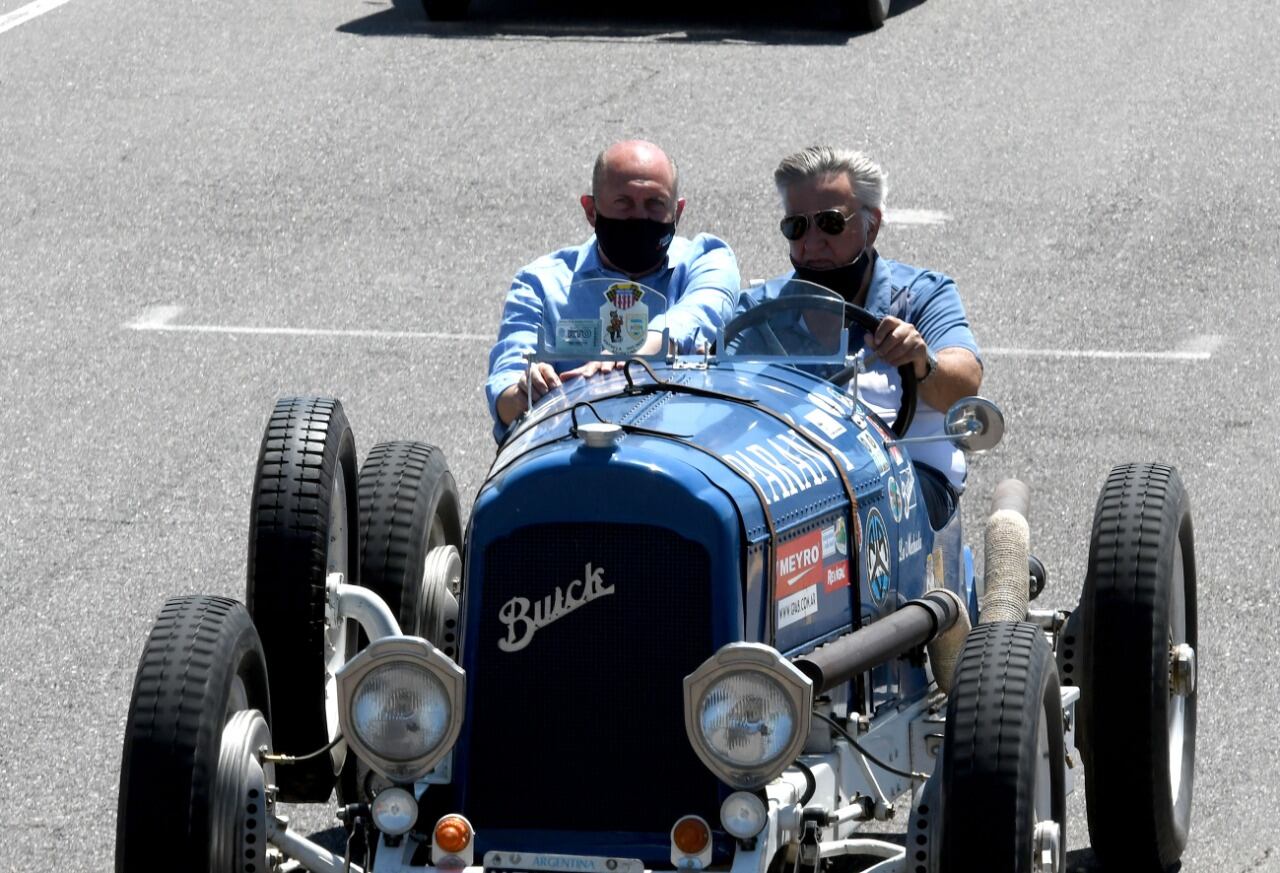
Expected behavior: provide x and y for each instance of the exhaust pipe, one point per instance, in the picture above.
(913, 624)
(1008, 545)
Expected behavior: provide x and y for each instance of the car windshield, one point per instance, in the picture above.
(601, 318)
(796, 320)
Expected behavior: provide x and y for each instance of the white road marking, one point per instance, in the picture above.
(916, 216)
(23, 14)
(160, 318)
(1100, 354)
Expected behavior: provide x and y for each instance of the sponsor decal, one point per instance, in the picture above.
(828, 541)
(877, 453)
(799, 563)
(895, 499)
(524, 619)
(832, 402)
(578, 335)
(837, 575)
(824, 423)
(623, 318)
(794, 607)
(877, 557)
(842, 536)
(909, 545)
(896, 454)
(907, 476)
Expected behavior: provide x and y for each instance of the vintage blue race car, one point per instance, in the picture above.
(698, 619)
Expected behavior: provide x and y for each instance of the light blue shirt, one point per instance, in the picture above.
(700, 281)
(929, 301)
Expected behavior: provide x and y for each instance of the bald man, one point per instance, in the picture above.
(634, 207)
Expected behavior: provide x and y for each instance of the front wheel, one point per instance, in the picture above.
(1003, 764)
(1138, 724)
(866, 14)
(192, 793)
(302, 527)
(445, 10)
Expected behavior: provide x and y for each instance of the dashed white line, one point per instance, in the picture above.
(160, 318)
(23, 14)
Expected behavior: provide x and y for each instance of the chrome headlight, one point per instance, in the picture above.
(747, 712)
(400, 706)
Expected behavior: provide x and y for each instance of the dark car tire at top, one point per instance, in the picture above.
(446, 10)
(408, 506)
(302, 527)
(866, 14)
(1003, 760)
(202, 663)
(1137, 732)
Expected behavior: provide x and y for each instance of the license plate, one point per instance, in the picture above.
(543, 862)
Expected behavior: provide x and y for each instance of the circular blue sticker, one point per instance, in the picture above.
(877, 551)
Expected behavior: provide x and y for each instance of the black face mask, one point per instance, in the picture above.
(845, 281)
(634, 245)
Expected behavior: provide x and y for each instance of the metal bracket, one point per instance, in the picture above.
(809, 848)
(926, 814)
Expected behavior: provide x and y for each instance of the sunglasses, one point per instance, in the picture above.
(829, 221)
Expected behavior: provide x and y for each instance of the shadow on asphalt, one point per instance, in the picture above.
(813, 22)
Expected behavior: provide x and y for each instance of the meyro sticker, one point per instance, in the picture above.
(799, 563)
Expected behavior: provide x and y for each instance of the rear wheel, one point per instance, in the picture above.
(302, 527)
(1003, 777)
(190, 783)
(410, 534)
(1139, 638)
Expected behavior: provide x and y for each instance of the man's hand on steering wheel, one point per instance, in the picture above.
(899, 344)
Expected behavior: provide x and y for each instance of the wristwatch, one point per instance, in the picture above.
(930, 365)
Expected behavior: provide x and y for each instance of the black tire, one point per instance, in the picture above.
(866, 14)
(305, 488)
(202, 663)
(1003, 739)
(1141, 578)
(446, 10)
(408, 506)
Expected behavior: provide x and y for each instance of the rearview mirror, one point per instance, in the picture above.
(975, 424)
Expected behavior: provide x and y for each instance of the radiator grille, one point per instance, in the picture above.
(583, 728)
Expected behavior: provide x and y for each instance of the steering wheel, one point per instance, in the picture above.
(758, 316)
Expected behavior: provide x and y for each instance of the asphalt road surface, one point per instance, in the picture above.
(197, 200)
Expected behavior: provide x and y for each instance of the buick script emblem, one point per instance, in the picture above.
(523, 619)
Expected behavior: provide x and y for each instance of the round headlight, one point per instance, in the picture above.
(401, 711)
(394, 811)
(747, 719)
(743, 815)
